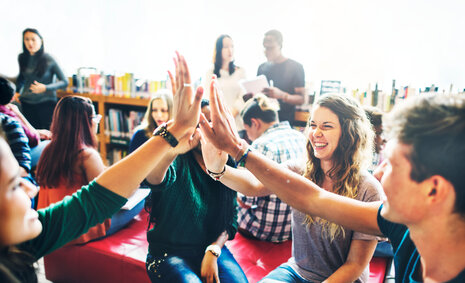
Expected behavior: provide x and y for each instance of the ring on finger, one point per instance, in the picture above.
(187, 85)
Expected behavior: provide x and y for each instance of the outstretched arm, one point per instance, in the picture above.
(125, 176)
(291, 188)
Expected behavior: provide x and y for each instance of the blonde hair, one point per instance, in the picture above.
(261, 107)
(148, 124)
(351, 156)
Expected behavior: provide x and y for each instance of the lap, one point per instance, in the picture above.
(283, 273)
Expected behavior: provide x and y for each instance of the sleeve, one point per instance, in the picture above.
(62, 81)
(66, 220)
(300, 76)
(395, 232)
(17, 141)
(370, 191)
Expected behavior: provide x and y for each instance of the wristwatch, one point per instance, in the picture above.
(164, 133)
(214, 249)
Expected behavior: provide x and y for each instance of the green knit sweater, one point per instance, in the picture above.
(189, 209)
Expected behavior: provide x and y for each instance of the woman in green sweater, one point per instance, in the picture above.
(26, 235)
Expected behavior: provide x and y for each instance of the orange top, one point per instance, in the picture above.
(48, 196)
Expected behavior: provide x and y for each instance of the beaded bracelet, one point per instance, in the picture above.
(241, 161)
(216, 176)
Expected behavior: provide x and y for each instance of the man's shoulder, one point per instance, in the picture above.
(293, 63)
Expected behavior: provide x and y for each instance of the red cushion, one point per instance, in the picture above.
(121, 258)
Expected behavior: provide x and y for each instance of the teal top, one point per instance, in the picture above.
(190, 209)
(68, 219)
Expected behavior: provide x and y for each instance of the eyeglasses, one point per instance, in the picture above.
(96, 118)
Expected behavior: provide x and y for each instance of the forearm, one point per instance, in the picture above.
(221, 240)
(360, 254)
(61, 82)
(125, 176)
(158, 173)
(244, 182)
(306, 196)
(296, 98)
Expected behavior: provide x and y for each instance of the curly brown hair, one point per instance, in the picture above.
(351, 156)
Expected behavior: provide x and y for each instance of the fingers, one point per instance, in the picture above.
(177, 72)
(173, 83)
(215, 111)
(187, 76)
(205, 128)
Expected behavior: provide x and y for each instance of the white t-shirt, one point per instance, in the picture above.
(232, 91)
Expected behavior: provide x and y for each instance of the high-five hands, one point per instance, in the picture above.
(186, 104)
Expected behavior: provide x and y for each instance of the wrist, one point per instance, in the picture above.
(239, 149)
(214, 250)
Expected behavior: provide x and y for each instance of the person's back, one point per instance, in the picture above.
(268, 218)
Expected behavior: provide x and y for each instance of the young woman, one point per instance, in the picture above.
(158, 111)
(39, 77)
(26, 234)
(228, 75)
(338, 149)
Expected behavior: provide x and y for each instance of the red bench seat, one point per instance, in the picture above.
(121, 258)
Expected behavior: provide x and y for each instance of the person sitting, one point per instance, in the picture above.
(422, 177)
(26, 235)
(339, 149)
(7, 91)
(268, 218)
(71, 160)
(159, 110)
(193, 216)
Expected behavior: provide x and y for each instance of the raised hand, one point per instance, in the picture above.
(186, 105)
(221, 132)
(214, 159)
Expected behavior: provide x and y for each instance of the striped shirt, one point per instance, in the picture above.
(17, 140)
(268, 218)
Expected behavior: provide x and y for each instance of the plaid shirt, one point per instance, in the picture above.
(268, 218)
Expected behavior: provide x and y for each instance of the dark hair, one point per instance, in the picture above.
(277, 35)
(71, 129)
(374, 115)
(16, 266)
(434, 126)
(24, 57)
(204, 102)
(218, 57)
(260, 107)
(7, 91)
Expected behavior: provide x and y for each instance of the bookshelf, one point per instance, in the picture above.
(104, 105)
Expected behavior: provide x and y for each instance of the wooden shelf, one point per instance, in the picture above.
(103, 102)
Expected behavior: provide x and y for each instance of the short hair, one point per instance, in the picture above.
(374, 115)
(260, 107)
(7, 91)
(277, 35)
(434, 126)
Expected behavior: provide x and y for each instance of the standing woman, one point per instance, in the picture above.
(39, 78)
(158, 111)
(228, 75)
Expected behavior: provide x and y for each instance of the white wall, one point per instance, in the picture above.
(417, 42)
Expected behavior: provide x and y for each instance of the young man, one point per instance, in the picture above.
(267, 218)
(287, 76)
(422, 176)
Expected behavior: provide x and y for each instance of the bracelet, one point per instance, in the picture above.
(241, 161)
(164, 133)
(216, 176)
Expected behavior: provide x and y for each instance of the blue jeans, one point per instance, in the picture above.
(184, 266)
(122, 218)
(283, 273)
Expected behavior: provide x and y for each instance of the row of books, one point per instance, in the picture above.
(116, 154)
(120, 125)
(123, 85)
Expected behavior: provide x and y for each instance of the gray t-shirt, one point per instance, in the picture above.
(314, 256)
